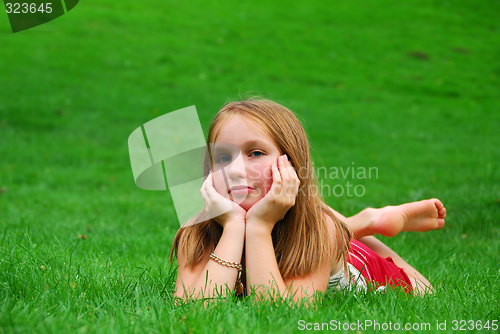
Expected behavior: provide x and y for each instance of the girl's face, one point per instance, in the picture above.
(242, 156)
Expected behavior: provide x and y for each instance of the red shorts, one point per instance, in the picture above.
(376, 269)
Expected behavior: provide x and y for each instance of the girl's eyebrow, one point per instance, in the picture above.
(254, 142)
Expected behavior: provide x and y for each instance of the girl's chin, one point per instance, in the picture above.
(247, 203)
(246, 207)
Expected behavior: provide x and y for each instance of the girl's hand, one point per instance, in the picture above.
(280, 198)
(222, 209)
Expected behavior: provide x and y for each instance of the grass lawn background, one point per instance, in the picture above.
(411, 88)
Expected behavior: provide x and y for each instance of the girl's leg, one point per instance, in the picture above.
(419, 216)
(418, 281)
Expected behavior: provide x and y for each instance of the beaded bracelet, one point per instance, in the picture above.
(239, 285)
(225, 263)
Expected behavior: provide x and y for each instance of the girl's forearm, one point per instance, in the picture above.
(263, 274)
(215, 279)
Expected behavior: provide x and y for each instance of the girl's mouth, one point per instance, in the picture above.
(240, 190)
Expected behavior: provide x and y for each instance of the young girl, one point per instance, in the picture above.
(279, 236)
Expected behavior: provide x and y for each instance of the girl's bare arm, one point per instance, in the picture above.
(263, 273)
(209, 278)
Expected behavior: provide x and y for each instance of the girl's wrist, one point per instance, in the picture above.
(257, 228)
(235, 224)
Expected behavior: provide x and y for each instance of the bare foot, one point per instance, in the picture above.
(419, 216)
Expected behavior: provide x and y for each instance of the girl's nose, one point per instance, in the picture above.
(236, 169)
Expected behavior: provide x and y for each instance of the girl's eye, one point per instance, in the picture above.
(224, 159)
(256, 153)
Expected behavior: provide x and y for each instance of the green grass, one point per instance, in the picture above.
(411, 88)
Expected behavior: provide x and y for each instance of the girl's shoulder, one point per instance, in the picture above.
(332, 232)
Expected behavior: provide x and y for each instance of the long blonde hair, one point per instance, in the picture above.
(301, 239)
